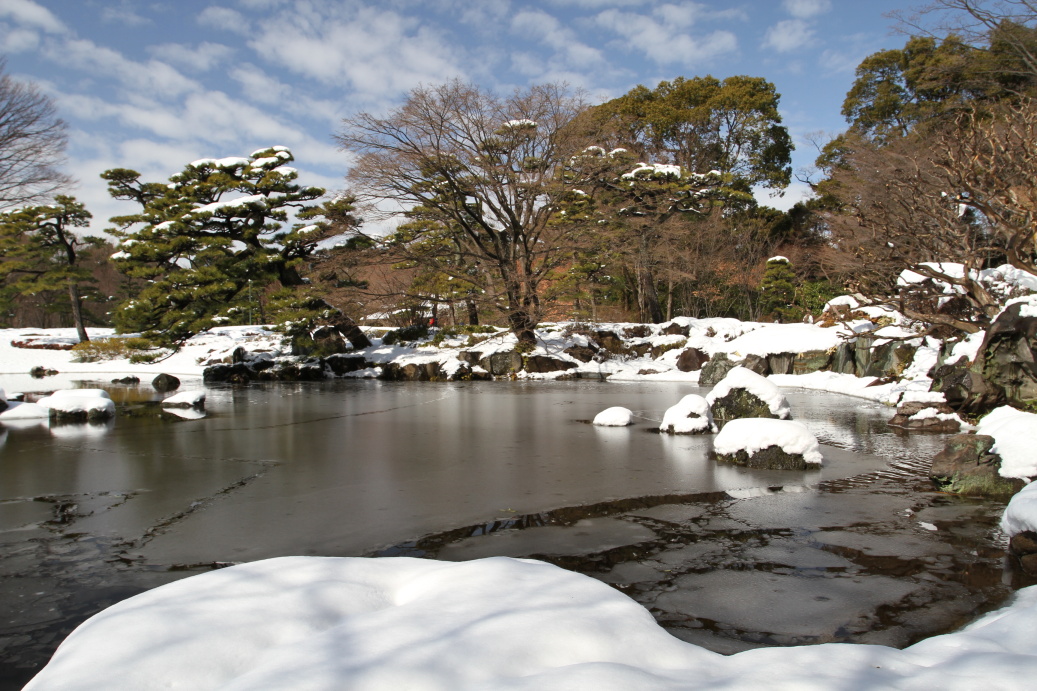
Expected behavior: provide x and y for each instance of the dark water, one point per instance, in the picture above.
(90, 515)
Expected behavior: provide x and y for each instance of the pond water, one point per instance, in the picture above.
(729, 558)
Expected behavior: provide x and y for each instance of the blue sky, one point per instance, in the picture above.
(154, 84)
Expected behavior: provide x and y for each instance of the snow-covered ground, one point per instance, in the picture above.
(323, 623)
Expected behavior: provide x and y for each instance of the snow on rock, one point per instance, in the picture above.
(90, 403)
(24, 411)
(755, 434)
(499, 623)
(1021, 513)
(185, 399)
(616, 416)
(772, 339)
(1014, 433)
(691, 415)
(759, 386)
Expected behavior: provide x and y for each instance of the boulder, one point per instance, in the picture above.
(466, 372)
(770, 458)
(745, 394)
(675, 329)
(581, 353)
(616, 416)
(1007, 361)
(611, 342)
(889, 359)
(811, 361)
(691, 415)
(926, 417)
(757, 364)
(740, 403)
(424, 371)
(844, 359)
(639, 331)
(768, 444)
(968, 466)
(165, 382)
(238, 373)
(545, 363)
(716, 369)
(40, 372)
(780, 363)
(126, 380)
(502, 362)
(691, 360)
(344, 364)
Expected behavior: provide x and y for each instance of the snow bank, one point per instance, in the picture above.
(676, 419)
(1021, 513)
(499, 623)
(759, 386)
(1014, 433)
(772, 339)
(24, 411)
(755, 434)
(616, 416)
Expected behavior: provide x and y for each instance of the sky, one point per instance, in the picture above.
(152, 85)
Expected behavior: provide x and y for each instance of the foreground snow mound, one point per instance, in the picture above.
(1014, 433)
(614, 417)
(691, 415)
(499, 623)
(755, 434)
(87, 402)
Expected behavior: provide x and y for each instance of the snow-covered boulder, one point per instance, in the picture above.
(691, 415)
(185, 399)
(79, 405)
(768, 443)
(743, 393)
(1014, 433)
(24, 411)
(1019, 522)
(617, 416)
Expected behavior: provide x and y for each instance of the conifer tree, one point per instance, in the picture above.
(210, 242)
(40, 253)
(778, 292)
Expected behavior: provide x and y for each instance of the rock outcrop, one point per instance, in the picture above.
(967, 465)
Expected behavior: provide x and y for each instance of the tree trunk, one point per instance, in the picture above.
(349, 329)
(77, 310)
(648, 298)
(473, 312)
(522, 325)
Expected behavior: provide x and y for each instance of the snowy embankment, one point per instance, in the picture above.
(497, 623)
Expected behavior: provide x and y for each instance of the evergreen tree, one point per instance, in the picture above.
(40, 253)
(212, 240)
(778, 292)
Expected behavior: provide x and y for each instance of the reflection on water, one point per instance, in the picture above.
(90, 514)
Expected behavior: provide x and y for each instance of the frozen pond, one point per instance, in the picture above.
(92, 514)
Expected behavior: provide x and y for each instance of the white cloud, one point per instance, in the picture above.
(216, 17)
(124, 13)
(29, 13)
(379, 53)
(664, 35)
(546, 29)
(151, 77)
(789, 35)
(200, 58)
(19, 41)
(805, 9)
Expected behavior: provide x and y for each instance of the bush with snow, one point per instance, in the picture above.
(691, 415)
(616, 416)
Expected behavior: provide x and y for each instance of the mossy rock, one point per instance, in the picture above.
(716, 369)
(770, 458)
(739, 403)
(968, 466)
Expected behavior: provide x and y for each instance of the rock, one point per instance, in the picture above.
(344, 364)
(844, 359)
(165, 382)
(757, 364)
(41, 372)
(675, 329)
(185, 399)
(959, 384)
(1028, 563)
(640, 350)
(239, 373)
(611, 342)
(716, 369)
(426, 371)
(581, 353)
(1024, 543)
(770, 458)
(913, 416)
(502, 362)
(544, 363)
(640, 331)
(465, 372)
(889, 359)
(780, 363)
(691, 360)
(740, 403)
(472, 357)
(1007, 361)
(126, 380)
(967, 466)
(691, 415)
(811, 361)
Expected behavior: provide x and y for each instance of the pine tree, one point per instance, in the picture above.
(778, 292)
(210, 242)
(39, 253)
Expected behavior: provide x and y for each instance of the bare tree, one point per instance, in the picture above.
(32, 144)
(466, 162)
